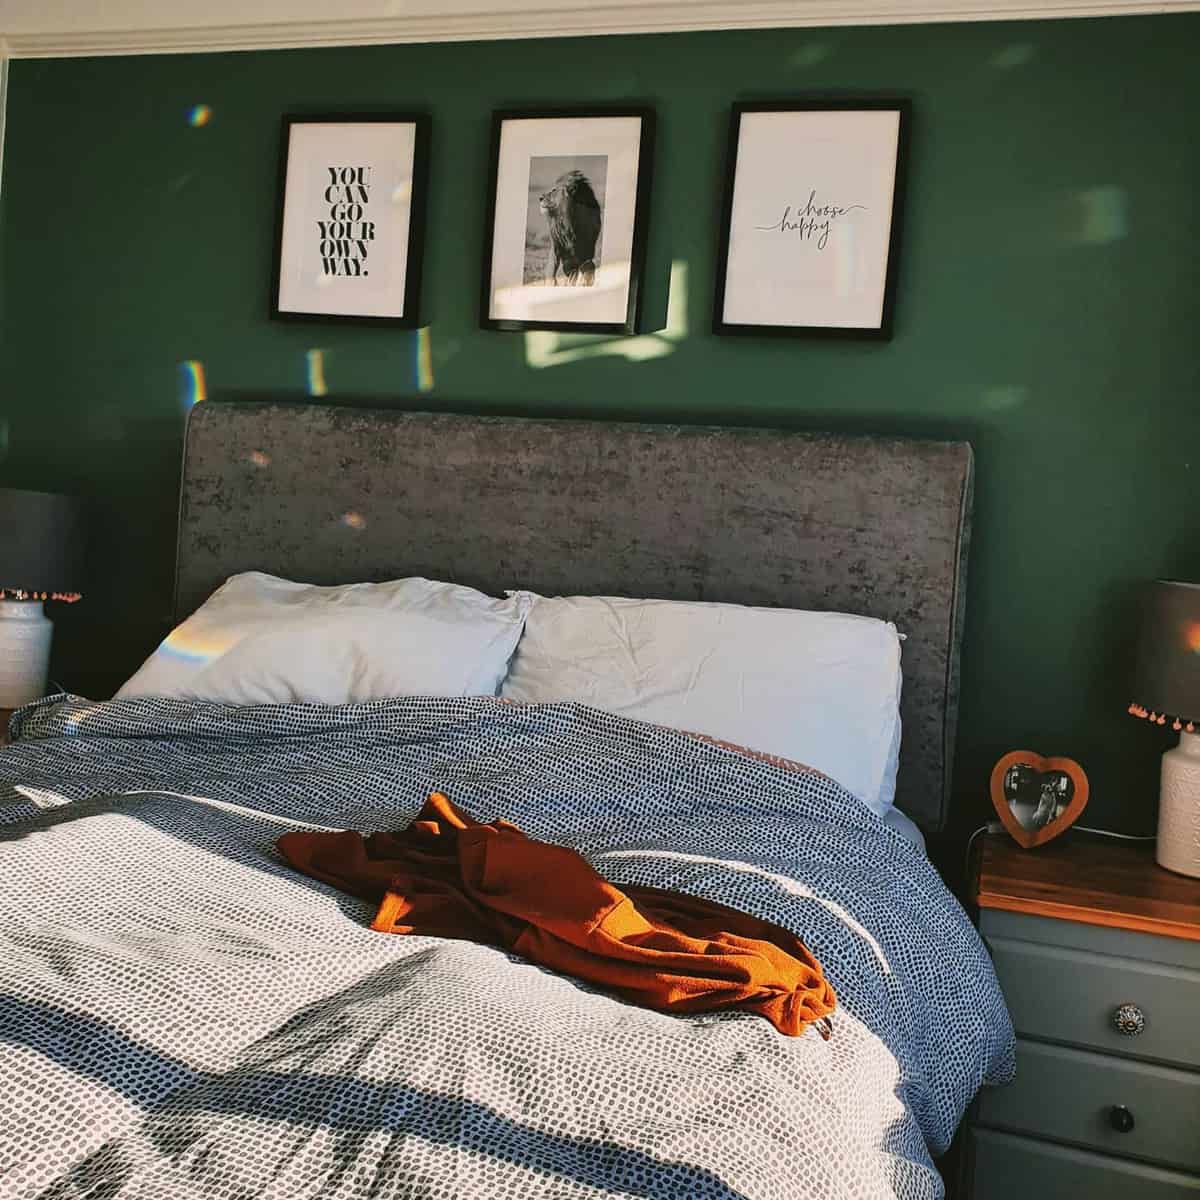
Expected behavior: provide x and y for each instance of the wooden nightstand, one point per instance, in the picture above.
(5, 713)
(1097, 949)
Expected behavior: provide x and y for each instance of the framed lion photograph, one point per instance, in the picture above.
(565, 238)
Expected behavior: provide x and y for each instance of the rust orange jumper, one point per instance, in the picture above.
(449, 876)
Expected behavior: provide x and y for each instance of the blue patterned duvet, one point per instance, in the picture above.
(183, 1015)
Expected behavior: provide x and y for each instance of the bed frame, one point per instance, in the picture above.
(334, 494)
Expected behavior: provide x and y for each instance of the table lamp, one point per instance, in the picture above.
(41, 544)
(1167, 691)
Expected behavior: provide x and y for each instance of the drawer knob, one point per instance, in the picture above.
(1120, 1118)
(1128, 1020)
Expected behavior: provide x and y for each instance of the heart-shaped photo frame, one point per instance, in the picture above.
(1037, 798)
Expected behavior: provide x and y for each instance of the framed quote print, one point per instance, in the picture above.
(351, 217)
(810, 228)
(565, 237)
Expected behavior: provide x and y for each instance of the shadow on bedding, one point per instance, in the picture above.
(252, 833)
(184, 1108)
(225, 829)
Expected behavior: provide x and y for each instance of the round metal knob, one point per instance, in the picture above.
(1128, 1020)
(1120, 1118)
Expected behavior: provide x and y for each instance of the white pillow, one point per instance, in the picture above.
(820, 688)
(262, 640)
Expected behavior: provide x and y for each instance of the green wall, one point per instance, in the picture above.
(1047, 310)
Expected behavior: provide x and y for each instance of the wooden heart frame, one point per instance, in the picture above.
(1029, 838)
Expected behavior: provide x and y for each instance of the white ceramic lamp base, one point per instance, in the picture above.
(1179, 808)
(25, 635)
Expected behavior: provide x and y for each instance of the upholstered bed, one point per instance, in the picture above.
(333, 494)
(185, 1016)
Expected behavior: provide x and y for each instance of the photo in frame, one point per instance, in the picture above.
(351, 218)
(1037, 798)
(810, 227)
(565, 235)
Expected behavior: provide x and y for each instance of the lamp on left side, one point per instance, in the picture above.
(41, 558)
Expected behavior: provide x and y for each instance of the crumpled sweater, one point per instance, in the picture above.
(446, 875)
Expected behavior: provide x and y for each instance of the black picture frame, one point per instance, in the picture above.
(885, 330)
(631, 319)
(422, 130)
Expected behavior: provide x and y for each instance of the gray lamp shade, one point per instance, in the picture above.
(41, 543)
(1167, 668)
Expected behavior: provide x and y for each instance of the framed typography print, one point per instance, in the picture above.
(565, 236)
(351, 217)
(811, 222)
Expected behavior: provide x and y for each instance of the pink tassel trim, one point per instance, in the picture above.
(1139, 710)
(20, 594)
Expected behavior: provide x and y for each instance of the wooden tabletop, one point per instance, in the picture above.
(1096, 880)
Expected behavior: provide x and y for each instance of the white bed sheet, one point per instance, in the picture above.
(904, 826)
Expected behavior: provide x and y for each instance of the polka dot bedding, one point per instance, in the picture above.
(184, 1016)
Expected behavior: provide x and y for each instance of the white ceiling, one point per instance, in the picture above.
(42, 28)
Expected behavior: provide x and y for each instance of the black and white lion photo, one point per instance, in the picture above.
(565, 219)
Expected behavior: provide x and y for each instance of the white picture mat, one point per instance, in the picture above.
(313, 147)
(521, 139)
(782, 277)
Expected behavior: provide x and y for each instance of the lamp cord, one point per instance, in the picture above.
(998, 827)
(1126, 837)
(990, 827)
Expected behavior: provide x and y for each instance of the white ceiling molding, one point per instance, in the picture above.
(64, 28)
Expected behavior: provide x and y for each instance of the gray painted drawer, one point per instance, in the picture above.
(1008, 1167)
(1069, 995)
(1067, 1094)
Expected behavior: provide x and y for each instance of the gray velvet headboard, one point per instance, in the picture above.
(334, 494)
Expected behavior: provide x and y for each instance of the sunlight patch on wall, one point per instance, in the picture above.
(199, 115)
(315, 370)
(424, 359)
(1015, 55)
(192, 387)
(544, 348)
(810, 54)
(1005, 397)
(1098, 216)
